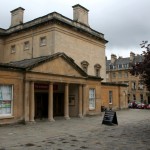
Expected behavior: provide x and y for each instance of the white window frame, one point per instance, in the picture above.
(92, 99)
(110, 97)
(11, 102)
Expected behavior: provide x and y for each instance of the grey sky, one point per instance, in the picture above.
(125, 23)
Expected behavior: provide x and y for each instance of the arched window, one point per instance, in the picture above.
(84, 65)
(97, 68)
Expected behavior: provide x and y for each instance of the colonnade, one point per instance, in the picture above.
(29, 101)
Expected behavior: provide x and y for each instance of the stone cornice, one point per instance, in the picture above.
(50, 18)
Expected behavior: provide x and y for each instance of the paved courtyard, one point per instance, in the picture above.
(132, 133)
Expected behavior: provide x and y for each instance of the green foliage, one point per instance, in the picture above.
(143, 68)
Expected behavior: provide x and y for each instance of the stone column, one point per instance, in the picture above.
(85, 98)
(80, 101)
(32, 102)
(50, 102)
(26, 101)
(66, 102)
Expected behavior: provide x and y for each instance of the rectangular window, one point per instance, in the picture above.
(110, 97)
(6, 98)
(92, 99)
(126, 74)
(43, 41)
(141, 96)
(26, 45)
(13, 49)
(126, 66)
(119, 66)
(114, 75)
(133, 85)
(97, 72)
(120, 74)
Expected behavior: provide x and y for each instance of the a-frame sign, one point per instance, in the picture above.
(110, 118)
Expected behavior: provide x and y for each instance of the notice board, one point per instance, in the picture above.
(110, 118)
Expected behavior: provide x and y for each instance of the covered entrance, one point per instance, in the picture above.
(58, 104)
(41, 105)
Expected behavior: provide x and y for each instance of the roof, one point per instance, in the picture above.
(28, 64)
(122, 61)
(54, 16)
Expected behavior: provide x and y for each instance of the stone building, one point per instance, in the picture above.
(117, 70)
(50, 66)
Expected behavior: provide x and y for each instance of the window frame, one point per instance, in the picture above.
(26, 47)
(11, 102)
(92, 100)
(110, 97)
(41, 41)
(13, 49)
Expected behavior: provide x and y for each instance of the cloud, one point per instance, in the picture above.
(124, 23)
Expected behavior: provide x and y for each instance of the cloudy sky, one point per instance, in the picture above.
(125, 23)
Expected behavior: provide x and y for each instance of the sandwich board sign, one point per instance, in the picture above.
(110, 118)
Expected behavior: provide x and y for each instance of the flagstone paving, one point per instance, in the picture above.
(131, 133)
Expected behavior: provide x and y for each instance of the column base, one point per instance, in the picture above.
(67, 117)
(31, 122)
(51, 120)
(80, 116)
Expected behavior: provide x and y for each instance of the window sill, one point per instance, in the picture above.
(6, 117)
(91, 109)
(42, 45)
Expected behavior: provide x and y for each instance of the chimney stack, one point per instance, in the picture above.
(80, 14)
(17, 16)
(113, 58)
(132, 56)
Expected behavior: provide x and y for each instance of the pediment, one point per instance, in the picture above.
(57, 66)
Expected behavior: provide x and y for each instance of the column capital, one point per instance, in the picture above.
(51, 83)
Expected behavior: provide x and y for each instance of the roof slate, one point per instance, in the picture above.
(28, 64)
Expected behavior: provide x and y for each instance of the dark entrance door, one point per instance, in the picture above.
(58, 104)
(41, 105)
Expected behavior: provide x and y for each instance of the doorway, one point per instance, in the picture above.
(58, 104)
(41, 105)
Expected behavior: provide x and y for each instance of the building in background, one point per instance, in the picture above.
(117, 70)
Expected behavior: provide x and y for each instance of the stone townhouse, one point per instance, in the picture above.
(50, 66)
(118, 72)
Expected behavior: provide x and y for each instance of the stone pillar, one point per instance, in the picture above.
(66, 102)
(50, 102)
(26, 101)
(80, 101)
(84, 99)
(32, 102)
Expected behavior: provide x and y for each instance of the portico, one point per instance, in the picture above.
(79, 100)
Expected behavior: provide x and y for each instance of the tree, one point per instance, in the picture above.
(142, 69)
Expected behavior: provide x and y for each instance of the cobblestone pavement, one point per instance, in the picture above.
(131, 133)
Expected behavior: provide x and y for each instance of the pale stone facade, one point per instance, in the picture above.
(118, 72)
(61, 34)
(51, 66)
(41, 62)
(118, 97)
